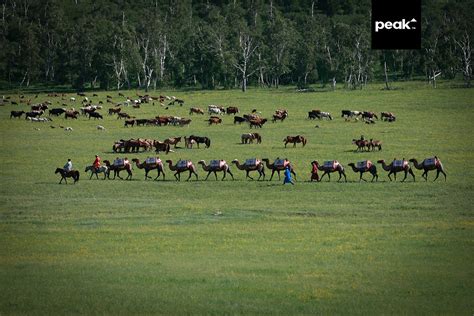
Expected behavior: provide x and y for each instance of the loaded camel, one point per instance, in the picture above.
(116, 168)
(251, 165)
(278, 165)
(149, 164)
(428, 164)
(216, 166)
(397, 166)
(329, 167)
(364, 166)
(182, 166)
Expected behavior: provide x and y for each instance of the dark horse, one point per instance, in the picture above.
(67, 174)
(201, 140)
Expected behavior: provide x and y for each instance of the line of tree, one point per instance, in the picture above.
(117, 44)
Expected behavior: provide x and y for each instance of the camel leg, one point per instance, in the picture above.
(412, 174)
(231, 174)
(344, 174)
(273, 172)
(225, 172)
(196, 175)
(425, 175)
(441, 171)
(406, 173)
(208, 174)
(248, 176)
(176, 176)
(190, 174)
(360, 178)
(215, 174)
(389, 175)
(279, 176)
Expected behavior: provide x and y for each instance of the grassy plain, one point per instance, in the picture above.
(243, 247)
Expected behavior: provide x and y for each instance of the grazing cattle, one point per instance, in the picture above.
(214, 120)
(121, 94)
(184, 122)
(279, 117)
(232, 110)
(201, 140)
(257, 122)
(295, 139)
(250, 137)
(13, 103)
(369, 115)
(173, 141)
(114, 111)
(347, 114)
(33, 114)
(39, 107)
(123, 115)
(95, 115)
(215, 109)
(238, 119)
(326, 115)
(16, 114)
(129, 122)
(196, 110)
(57, 111)
(141, 122)
(179, 101)
(71, 114)
(161, 146)
(388, 116)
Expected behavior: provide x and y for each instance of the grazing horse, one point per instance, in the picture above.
(196, 110)
(172, 141)
(295, 139)
(201, 140)
(161, 146)
(250, 137)
(67, 174)
(93, 170)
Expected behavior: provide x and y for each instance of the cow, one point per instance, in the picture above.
(214, 120)
(57, 111)
(16, 114)
(238, 119)
(95, 115)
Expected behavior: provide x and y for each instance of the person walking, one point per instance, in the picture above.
(288, 176)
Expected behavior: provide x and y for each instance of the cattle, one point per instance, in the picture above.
(238, 119)
(39, 107)
(33, 114)
(347, 114)
(71, 114)
(215, 109)
(184, 122)
(57, 111)
(129, 122)
(142, 122)
(95, 115)
(114, 110)
(257, 122)
(232, 110)
(123, 115)
(16, 114)
(214, 120)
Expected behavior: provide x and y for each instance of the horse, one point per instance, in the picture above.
(172, 141)
(67, 174)
(201, 140)
(250, 137)
(101, 169)
(295, 139)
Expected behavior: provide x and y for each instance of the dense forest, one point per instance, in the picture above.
(123, 44)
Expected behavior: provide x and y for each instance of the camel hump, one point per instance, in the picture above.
(152, 161)
(251, 162)
(332, 164)
(217, 163)
(184, 164)
(400, 163)
(364, 165)
(281, 163)
(119, 162)
(430, 161)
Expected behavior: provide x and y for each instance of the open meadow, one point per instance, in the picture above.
(242, 247)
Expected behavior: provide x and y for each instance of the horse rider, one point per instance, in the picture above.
(96, 163)
(68, 166)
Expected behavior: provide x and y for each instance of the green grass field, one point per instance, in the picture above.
(243, 247)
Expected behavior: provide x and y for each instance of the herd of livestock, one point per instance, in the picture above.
(254, 119)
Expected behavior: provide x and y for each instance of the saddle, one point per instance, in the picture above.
(432, 161)
(216, 163)
(119, 162)
(251, 162)
(183, 164)
(330, 164)
(399, 163)
(281, 163)
(152, 161)
(364, 165)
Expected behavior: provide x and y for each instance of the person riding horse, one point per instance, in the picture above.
(96, 163)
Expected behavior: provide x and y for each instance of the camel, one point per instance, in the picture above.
(329, 167)
(278, 165)
(151, 164)
(182, 166)
(428, 164)
(117, 168)
(364, 166)
(101, 169)
(251, 165)
(216, 166)
(397, 166)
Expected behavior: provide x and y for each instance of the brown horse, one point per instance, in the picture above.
(196, 110)
(67, 174)
(295, 139)
(172, 141)
(250, 137)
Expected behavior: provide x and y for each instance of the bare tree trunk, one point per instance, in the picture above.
(386, 75)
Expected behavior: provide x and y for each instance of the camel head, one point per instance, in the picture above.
(381, 161)
(412, 160)
(351, 164)
(136, 160)
(169, 161)
(201, 162)
(315, 162)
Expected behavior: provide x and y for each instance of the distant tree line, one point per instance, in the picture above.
(123, 44)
